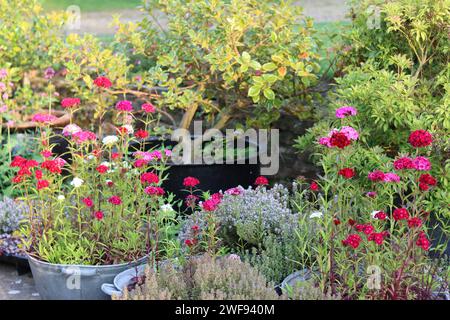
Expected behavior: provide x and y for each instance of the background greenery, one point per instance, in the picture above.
(91, 5)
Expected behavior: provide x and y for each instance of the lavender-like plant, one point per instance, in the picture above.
(248, 216)
(11, 215)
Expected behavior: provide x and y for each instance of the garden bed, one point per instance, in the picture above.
(277, 188)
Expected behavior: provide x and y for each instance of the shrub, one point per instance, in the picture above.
(27, 36)
(29, 43)
(397, 77)
(415, 32)
(309, 291)
(226, 59)
(84, 58)
(205, 278)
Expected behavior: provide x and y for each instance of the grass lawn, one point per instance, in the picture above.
(91, 5)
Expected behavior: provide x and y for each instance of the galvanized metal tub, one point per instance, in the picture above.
(75, 282)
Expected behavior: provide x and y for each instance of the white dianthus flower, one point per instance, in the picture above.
(110, 140)
(166, 208)
(316, 214)
(77, 182)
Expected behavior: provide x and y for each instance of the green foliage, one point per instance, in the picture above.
(27, 36)
(84, 58)
(16, 144)
(223, 59)
(29, 42)
(413, 30)
(395, 103)
(277, 258)
(309, 291)
(398, 80)
(91, 5)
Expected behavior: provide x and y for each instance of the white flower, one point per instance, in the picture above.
(77, 182)
(129, 128)
(373, 214)
(106, 164)
(61, 197)
(126, 165)
(71, 129)
(166, 208)
(316, 214)
(110, 140)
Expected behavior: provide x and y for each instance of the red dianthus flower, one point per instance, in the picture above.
(347, 173)
(102, 82)
(420, 138)
(340, 140)
(400, 214)
(190, 182)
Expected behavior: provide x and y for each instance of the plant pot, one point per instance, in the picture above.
(61, 147)
(75, 282)
(213, 177)
(293, 279)
(18, 261)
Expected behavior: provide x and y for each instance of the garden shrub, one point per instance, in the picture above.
(84, 58)
(309, 291)
(224, 60)
(276, 258)
(414, 31)
(27, 35)
(29, 44)
(204, 278)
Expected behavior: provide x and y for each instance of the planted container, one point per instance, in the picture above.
(213, 177)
